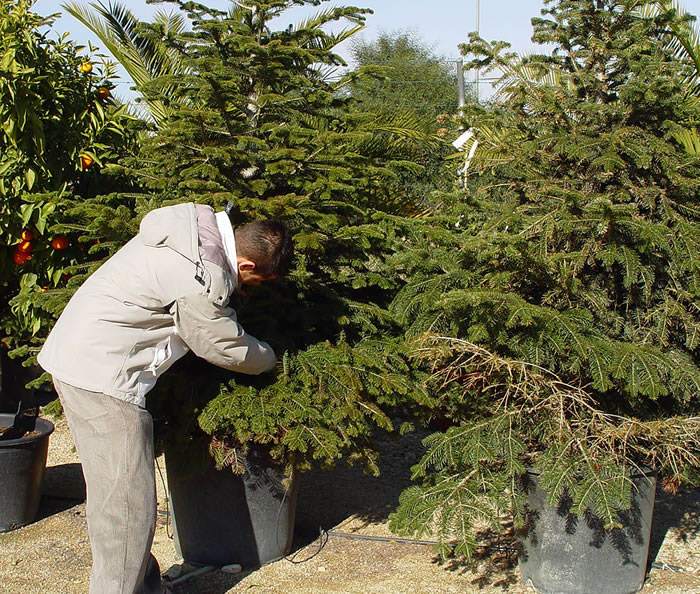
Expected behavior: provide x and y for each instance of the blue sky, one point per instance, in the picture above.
(442, 24)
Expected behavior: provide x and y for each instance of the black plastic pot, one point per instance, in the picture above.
(220, 518)
(22, 467)
(563, 554)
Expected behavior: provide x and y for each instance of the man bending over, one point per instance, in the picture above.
(164, 293)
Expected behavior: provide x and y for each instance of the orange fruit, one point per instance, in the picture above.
(20, 258)
(25, 247)
(103, 93)
(86, 67)
(86, 161)
(60, 242)
(27, 235)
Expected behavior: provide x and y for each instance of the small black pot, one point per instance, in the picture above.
(220, 518)
(563, 554)
(22, 467)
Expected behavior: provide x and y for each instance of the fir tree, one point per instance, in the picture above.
(259, 122)
(565, 327)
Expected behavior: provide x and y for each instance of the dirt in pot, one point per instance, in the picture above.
(7, 433)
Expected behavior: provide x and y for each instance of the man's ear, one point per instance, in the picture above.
(247, 265)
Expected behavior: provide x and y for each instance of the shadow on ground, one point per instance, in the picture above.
(678, 512)
(215, 582)
(63, 488)
(328, 497)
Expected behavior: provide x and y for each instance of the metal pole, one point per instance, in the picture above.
(460, 83)
(478, 26)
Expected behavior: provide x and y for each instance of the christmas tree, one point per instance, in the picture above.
(563, 326)
(260, 120)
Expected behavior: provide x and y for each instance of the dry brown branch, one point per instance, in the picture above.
(536, 397)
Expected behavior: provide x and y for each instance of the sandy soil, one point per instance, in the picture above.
(52, 555)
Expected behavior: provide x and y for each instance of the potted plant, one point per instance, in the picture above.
(24, 444)
(235, 451)
(564, 321)
(257, 117)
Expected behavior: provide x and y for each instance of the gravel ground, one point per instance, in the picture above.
(52, 555)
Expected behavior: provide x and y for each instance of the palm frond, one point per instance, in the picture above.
(143, 57)
(689, 140)
(171, 22)
(530, 75)
(684, 38)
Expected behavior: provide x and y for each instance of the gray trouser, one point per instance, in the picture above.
(114, 440)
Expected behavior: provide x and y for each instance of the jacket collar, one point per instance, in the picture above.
(229, 240)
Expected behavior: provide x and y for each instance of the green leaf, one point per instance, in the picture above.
(26, 211)
(30, 176)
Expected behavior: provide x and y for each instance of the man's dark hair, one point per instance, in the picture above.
(268, 244)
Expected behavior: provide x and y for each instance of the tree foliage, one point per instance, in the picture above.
(580, 261)
(58, 127)
(408, 76)
(259, 124)
(407, 82)
(141, 51)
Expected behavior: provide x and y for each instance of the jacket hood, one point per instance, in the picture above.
(174, 227)
(177, 227)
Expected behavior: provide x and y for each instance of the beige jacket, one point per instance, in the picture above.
(164, 293)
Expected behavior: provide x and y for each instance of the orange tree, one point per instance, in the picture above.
(58, 126)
